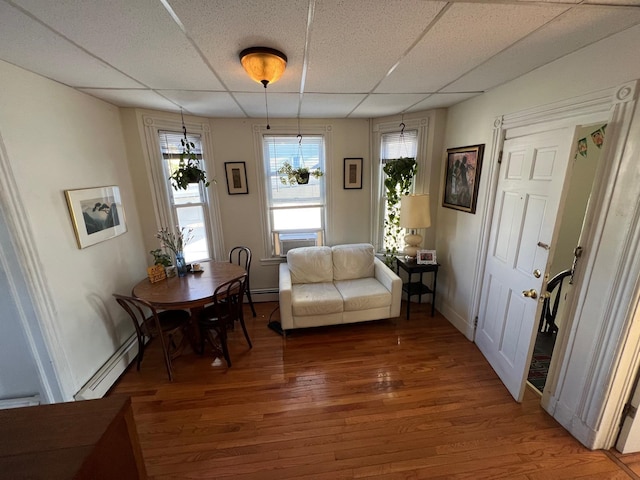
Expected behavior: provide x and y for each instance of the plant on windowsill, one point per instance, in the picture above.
(297, 176)
(188, 170)
(399, 175)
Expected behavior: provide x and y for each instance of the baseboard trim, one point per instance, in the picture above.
(456, 320)
(103, 380)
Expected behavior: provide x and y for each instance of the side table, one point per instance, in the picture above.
(418, 288)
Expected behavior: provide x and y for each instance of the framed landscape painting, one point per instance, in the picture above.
(461, 177)
(97, 214)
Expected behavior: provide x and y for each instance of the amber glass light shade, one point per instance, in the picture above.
(264, 65)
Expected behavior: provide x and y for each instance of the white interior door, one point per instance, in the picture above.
(531, 179)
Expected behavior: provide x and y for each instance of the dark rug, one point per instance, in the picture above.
(541, 359)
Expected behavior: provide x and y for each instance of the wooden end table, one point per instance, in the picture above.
(412, 288)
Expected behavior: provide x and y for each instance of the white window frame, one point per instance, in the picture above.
(377, 175)
(161, 186)
(271, 235)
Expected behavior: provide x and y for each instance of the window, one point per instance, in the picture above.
(296, 213)
(393, 145)
(189, 208)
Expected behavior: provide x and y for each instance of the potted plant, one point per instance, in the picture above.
(399, 175)
(188, 170)
(160, 257)
(299, 176)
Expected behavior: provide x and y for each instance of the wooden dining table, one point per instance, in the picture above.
(193, 291)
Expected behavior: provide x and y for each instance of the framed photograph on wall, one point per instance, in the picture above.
(461, 177)
(97, 214)
(426, 257)
(236, 178)
(352, 173)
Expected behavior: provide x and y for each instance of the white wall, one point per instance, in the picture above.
(233, 141)
(471, 122)
(57, 139)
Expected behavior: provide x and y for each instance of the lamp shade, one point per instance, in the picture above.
(263, 64)
(415, 211)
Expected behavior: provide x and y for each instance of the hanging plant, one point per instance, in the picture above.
(188, 170)
(399, 175)
(297, 176)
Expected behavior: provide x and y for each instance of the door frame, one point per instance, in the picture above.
(613, 357)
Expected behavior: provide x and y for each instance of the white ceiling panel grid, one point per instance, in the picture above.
(346, 58)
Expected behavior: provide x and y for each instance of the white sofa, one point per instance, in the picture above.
(334, 285)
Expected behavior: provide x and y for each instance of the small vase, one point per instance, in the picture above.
(181, 265)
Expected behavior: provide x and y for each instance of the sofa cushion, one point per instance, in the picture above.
(310, 264)
(315, 299)
(353, 261)
(363, 294)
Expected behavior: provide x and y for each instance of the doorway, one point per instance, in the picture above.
(588, 145)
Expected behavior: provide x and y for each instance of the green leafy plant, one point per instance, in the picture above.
(160, 257)
(188, 170)
(295, 176)
(399, 176)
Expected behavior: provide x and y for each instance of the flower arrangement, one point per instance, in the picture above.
(293, 176)
(175, 240)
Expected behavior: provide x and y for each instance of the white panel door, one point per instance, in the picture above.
(530, 186)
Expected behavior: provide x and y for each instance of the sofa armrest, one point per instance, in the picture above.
(284, 297)
(391, 282)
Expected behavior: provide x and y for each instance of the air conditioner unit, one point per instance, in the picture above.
(286, 241)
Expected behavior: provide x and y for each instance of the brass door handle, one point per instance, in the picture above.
(530, 293)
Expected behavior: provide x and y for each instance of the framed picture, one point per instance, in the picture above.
(236, 178)
(426, 257)
(461, 177)
(352, 173)
(97, 214)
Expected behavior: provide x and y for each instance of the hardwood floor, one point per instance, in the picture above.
(391, 399)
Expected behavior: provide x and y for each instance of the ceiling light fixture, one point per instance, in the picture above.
(264, 65)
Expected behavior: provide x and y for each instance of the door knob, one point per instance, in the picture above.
(537, 273)
(530, 293)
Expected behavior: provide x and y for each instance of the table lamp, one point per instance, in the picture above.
(414, 214)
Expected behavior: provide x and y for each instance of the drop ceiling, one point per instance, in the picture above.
(346, 58)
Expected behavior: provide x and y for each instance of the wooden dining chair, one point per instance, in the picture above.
(166, 325)
(219, 317)
(242, 256)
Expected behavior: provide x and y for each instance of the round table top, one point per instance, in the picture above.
(194, 290)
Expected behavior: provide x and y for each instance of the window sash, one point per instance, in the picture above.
(190, 207)
(286, 199)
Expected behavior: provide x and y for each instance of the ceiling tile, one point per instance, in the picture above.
(380, 105)
(205, 104)
(29, 44)
(133, 98)
(137, 37)
(365, 41)
(284, 105)
(440, 100)
(329, 105)
(466, 35)
(567, 33)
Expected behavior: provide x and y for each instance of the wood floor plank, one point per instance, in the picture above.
(394, 399)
